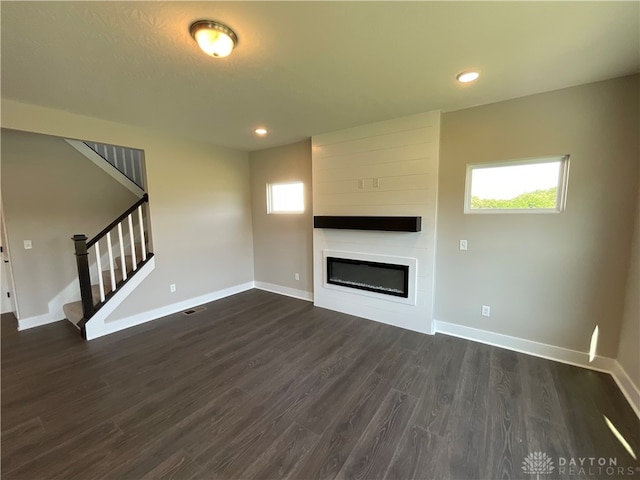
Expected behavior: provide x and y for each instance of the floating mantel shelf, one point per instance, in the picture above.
(386, 224)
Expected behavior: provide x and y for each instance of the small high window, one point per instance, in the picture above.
(285, 197)
(536, 185)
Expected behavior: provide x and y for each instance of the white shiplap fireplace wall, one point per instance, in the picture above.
(401, 157)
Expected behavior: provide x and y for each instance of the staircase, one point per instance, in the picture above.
(110, 266)
(127, 161)
(115, 261)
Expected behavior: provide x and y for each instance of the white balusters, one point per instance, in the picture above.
(123, 261)
(128, 156)
(134, 261)
(86, 270)
(125, 170)
(111, 269)
(142, 239)
(135, 167)
(114, 154)
(99, 267)
(127, 160)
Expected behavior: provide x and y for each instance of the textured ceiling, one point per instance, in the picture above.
(303, 68)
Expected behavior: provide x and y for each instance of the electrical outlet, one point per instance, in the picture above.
(486, 311)
(376, 182)
(297, 276)
(172, 288)
(463, 244)
(28, 245)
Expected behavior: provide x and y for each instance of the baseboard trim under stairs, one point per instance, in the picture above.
(105, 328)
(37, 321)
(95, 325)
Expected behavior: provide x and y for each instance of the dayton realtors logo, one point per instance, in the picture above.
(537, 463)
(594, 466)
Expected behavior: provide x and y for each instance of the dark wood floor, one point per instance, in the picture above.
(261, 386)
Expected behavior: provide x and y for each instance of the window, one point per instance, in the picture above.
(536, 185)
(285, 197)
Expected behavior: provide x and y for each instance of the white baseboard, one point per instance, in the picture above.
(68, 294)
(550, 352)
(627, 387)
(106, 328)
(100, 326)
(37, 321)
(289, 292)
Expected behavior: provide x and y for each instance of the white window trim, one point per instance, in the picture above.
(561, 198)
(284, 212)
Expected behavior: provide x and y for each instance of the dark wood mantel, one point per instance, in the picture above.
(386, 224)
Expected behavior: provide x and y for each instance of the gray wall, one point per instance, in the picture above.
(51, 192)
(628, 351)
(199, 199)
(549, 278)
(282, 244)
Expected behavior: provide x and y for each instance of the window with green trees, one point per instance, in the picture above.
(532, 185)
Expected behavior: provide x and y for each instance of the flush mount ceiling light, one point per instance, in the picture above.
(214, 38)
(261, 131)
(466, 77)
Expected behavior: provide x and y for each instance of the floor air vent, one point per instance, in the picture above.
(193, 311)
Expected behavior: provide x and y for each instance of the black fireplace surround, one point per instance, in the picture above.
(384, 278)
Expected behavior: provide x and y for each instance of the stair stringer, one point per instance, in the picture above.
(96, 326)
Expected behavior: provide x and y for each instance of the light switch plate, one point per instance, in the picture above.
(28, 245)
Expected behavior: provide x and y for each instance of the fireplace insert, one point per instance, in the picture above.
(384, 278)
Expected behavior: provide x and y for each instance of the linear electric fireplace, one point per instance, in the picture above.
(383, 278)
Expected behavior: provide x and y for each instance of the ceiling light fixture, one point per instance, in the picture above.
(261, 131)
(466, 77)
(214, 38)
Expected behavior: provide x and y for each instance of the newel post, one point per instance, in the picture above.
(82, 260)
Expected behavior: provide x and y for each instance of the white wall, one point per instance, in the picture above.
(282, 244)
(199, 204)
(549, 278)
(403, 155)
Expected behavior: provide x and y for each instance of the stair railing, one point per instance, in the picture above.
(126, 160)
(133, 217)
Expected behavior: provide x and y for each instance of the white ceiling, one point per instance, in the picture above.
(303, 68)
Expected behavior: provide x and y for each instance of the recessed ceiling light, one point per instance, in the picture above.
(261, 131)
(466, 77)
(214, 38)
